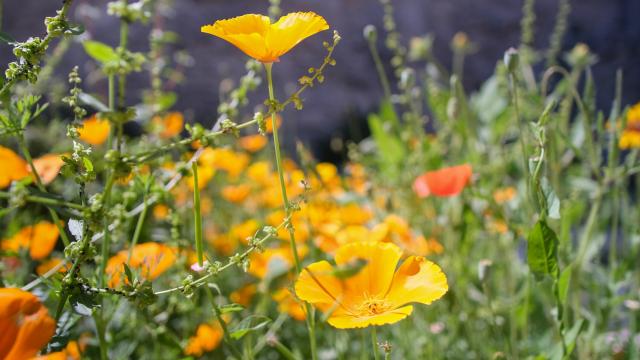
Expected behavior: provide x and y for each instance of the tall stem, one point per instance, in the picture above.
(196, 213)
(287, 208)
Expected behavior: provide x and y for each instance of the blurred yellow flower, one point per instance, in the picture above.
(40, 239)
(206, 339)
(288, 304)
(504, 195)
(244, 295)
(94, 131)
(236, 193)
(377, 294)
(257, 37)
(13, 167)
(152, 259)
(169, 125)
(630, 137)
(253, 143)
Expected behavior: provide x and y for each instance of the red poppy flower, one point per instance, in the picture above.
(444, 182)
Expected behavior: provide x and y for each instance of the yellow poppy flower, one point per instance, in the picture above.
(94, 131)
(377, 294)
(257, 37)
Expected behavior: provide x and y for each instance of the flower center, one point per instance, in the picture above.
(374, 306)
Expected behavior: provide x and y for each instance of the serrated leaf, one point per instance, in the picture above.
(100, 52)
(542, 250)
(231, 308)
(249, 324)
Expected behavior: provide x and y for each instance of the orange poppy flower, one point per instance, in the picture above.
(445, 182)
(377, 294)
(48, 167)
(13, 167)
(253, 143)
(40, 239)
(25, 323)
(94, 131)
(169, 125)
(257, 37)
(152, 259)
(206, 339)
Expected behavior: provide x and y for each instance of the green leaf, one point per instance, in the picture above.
(249, 324)
(92, 101)
(563, 284)
(100, 52)
(6, 38)
(542, 250)
(128, 273)
(231, 308)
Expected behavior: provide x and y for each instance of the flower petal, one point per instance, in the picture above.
(317, 285)
(417, 280)
(246, 32)
(346, 321)
(291, 29)
(375, 277)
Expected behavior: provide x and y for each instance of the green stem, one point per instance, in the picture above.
(196, 213)
(380, 69)
(374, 342)
(102, 338)
(45, 201)
(283, 350)
(287, 207)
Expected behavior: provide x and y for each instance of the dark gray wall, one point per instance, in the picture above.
(610, 27)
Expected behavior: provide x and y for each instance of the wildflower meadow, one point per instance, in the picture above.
(500, 222)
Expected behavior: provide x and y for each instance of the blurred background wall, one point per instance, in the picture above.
(339, 107)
